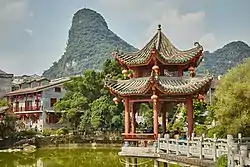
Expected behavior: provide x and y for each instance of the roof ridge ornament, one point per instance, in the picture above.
(159, 27)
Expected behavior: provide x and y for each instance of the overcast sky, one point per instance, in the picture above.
(33, 33)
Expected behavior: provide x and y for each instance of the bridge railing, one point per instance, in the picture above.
(208, 148)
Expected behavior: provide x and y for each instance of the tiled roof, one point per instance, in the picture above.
(38, 88)
(167, 85)
(167, 52)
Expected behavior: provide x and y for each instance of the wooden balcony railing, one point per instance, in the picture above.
(29, 108)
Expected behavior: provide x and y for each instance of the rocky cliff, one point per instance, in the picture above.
(90, 42)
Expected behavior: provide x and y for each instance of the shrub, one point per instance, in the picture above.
(46, 132)
(62, 131)
(221, 161)
(200, 129)
(219, 130)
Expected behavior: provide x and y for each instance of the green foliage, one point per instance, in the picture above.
(90, 43)
(232, 100)
(199, 108)
(3, 103)
(88, 106)
(26, 134)
(223, 59)
(47, 132)
(62, 131)
(7, 125)
(147, 114)
(219, 130)
(200, 129)
(221, 161)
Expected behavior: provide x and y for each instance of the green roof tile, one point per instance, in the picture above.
(168, 85)
(167, 52)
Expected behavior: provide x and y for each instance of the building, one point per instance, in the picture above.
(34, 99)
(155, 75)
(5, 83)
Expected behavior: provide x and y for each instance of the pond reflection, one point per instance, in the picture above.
(84, 157)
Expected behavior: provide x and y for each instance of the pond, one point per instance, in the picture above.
(64, 157)
(80, 157)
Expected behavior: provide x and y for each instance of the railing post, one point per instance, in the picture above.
(214, 148)
(200, 145)
(188, 146)
(177, 146)
(167, 142)
(158, 142)
(239, 138)
(243, 155)
(155, 147)
(192, 136)
(230, 141)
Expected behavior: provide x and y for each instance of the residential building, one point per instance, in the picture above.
(34, 99)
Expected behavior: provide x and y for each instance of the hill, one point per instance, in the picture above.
(90, 42)
(223, 59)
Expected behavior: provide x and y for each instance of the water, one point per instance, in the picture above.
(81, 157)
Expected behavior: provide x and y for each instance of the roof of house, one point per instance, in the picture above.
(38, 88)
(167, 53)
(167, 85)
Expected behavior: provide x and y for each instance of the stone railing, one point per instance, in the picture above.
(209, 148)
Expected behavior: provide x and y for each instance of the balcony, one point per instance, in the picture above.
(28, 108)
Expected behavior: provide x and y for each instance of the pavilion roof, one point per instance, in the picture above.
(167, 53)
(165, 84)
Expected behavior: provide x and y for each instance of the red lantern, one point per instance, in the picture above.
(125, 73)
(36, 115)
(155, 68)
(154, 97)
(115, 100)
(19, 116)
(27, 115)
(200, 97)
(130, 75)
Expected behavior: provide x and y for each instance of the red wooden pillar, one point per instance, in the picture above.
(37, 102)
(126, 115)
(155, 108)
(190, 117)
(163, 110)
(133, 124)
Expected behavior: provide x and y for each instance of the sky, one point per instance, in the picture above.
(33, 33)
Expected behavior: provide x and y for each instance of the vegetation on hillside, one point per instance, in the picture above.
(225, 58)
(90, 43)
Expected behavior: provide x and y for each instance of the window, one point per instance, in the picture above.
(52, 102)
(28, 105)
(57, 89)
(17, 106)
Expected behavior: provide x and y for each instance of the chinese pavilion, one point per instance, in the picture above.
(157, 77)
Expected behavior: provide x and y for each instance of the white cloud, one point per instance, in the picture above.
(208, 41)
(29, 31)
(12, 10)
(183, 28)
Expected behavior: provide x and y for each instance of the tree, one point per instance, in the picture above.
(232, 100)
(88, 105)
(7, 120)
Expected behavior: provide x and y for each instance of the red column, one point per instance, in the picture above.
(133, 118)
(190, 117)
(164, 128)
(126, 115)
(37, 102)
(155, 108)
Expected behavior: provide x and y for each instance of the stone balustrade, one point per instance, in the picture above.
(237, 149)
